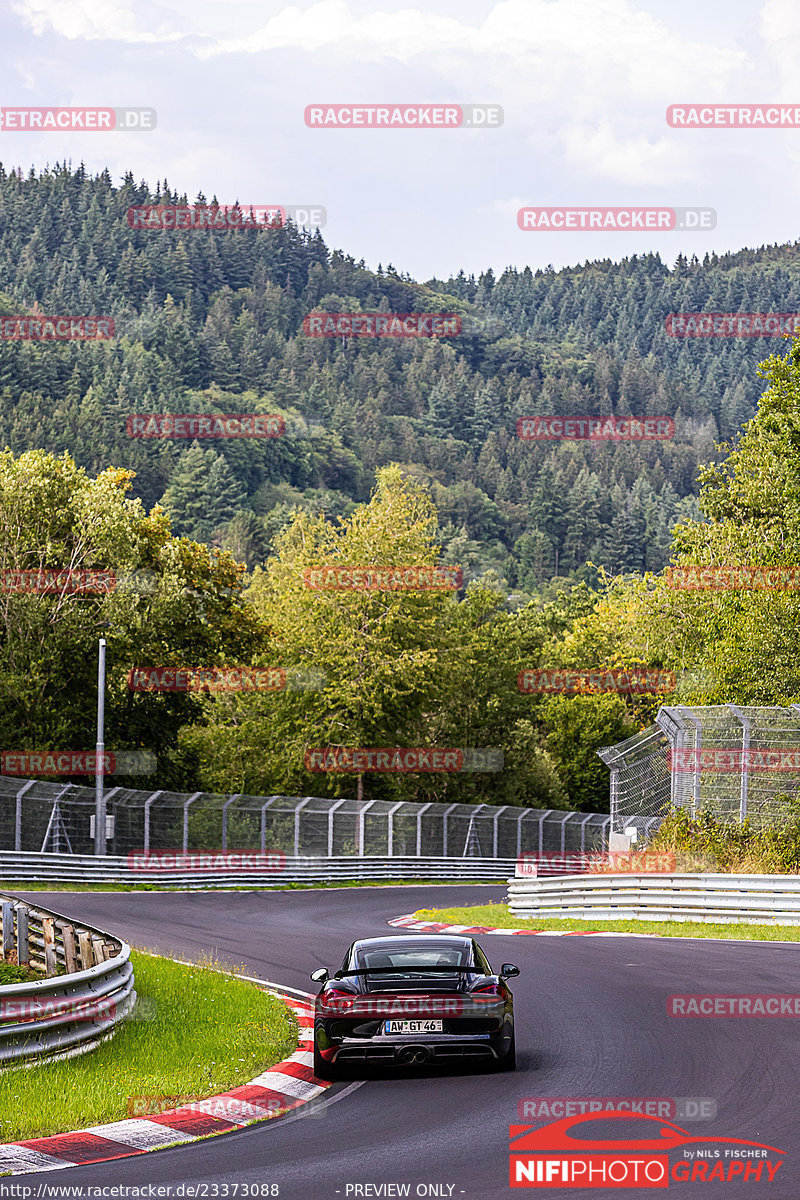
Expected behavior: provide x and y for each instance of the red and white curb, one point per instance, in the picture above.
(411, 922)
(287, 1085)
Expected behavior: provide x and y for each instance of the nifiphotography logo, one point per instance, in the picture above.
(573, 1153)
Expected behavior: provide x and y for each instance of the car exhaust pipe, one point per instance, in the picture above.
(413, 1056)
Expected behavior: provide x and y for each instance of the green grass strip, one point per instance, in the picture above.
(201, 1032)
(497, 915)
(13, 974)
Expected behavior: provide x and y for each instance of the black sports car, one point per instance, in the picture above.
(412, 1000)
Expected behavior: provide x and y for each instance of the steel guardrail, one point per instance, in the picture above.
(65, 868)
(719, 898)
(87, 987)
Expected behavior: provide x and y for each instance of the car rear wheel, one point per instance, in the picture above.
(509, 1060)
(323, 1069)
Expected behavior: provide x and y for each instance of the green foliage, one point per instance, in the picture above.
(768, 848)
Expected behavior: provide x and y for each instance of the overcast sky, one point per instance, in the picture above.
(584, 85)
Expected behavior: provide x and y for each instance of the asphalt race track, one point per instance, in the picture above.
(591, 1021)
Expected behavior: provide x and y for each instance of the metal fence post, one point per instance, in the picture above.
(445, 815)
(147, 804)
(583, 831)
(564, 830)
(361, 815)
(495, 832)
(264, 808)
(390, 828)
(547, 813)
(419, 826)
(18, 815)
(229, 801)
(745, 723)
(525, 812)
(191, 800)
(331, 811)
(297, 812)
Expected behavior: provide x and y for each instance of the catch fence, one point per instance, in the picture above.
(54, 818)
(733, 762)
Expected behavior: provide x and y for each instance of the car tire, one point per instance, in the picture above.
(323, 1069)
(509, 1060)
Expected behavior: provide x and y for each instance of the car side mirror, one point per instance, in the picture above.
(508, 970)
(320, 975)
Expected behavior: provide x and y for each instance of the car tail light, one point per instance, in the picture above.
(338, 998)
(488, 989)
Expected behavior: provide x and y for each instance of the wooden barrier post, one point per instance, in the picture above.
(23, 944)
(49, 936)
(68, 936)
(8, 929)
(85, 943)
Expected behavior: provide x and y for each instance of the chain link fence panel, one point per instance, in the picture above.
(54, 818)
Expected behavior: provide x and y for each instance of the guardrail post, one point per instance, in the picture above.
(98, 949)
(68, 937)
(8, 929)
(23, 944)
(49, 936)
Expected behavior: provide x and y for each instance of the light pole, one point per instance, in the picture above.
(99, 796)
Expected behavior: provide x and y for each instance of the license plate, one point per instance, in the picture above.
(412, 1026)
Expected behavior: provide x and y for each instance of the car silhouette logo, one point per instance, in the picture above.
(662, 1136)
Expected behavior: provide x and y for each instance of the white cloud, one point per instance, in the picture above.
(92, 20)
